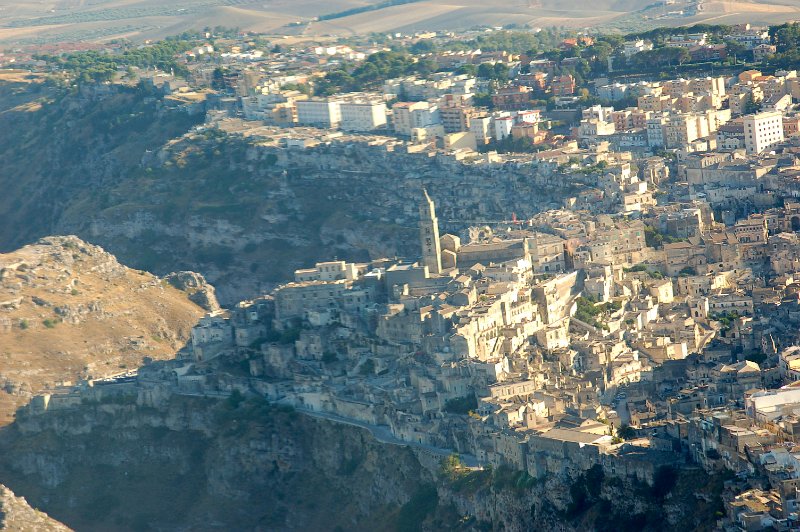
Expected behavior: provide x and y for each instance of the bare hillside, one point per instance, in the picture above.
(69, 310)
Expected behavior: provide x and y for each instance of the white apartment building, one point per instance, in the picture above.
(593, 127)
(614, 92)
(631, 48)
(598, 112)
(362, 115)
(320, 113)
(480, 126)
(750, 38)
(687, 41)
(408, 116)
(502, 127)
(655, 131)
(762, 131)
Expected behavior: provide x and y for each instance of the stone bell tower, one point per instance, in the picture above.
(429, 235)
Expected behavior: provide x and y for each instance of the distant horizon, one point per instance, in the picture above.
(27, 23)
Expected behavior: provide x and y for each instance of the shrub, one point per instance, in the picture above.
(664, 481)
(367, 368)
(423, 503)
(461, 405)
(234, 399)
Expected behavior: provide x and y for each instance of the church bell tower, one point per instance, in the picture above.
(429, 235)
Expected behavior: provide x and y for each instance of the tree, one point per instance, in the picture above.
(626, 432)
(234, 399)
(664, 480)
(469, 70)
(452, 466)
(486, 71)
(683, 56)
(218, 78)
(482, 99)
(735, 49)
(751, 105)
(500, 72)
(422, 47)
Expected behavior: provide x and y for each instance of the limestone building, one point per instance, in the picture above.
(429, 235)
(762, 131)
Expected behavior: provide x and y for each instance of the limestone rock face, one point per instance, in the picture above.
(199, 290)
(262, 467)
(17, 516)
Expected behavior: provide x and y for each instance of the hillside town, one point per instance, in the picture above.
(607, 269)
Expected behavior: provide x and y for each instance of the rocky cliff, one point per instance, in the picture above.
(234, 464)
(69, 311)
(17, 516)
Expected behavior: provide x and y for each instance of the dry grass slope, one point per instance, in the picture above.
(69, 310)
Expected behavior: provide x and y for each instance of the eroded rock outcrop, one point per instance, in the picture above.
(199, 290)
(16, 515)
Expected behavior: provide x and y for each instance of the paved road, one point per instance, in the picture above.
(383, 434)
(623, 412)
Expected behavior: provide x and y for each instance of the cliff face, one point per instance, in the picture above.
(204, 465)
(209, 465)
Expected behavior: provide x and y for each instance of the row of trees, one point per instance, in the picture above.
(786, 39)
(102, 66)
(371, 73)
(366, 8)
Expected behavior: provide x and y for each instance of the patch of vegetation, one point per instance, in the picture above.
(289, 336)
(367, 368)
(422, 504)
(507, 478)
(757, 357)
(364, 9)
(655, 239)
(372, 72)
(664, 480)
(471, 481)
(626, 432)
(461, 405)
(510, 144)
(654, 274)
(93, 66)
(349, 466)
(234, 400)
(585, 491)
(589, 313)
(725, 319)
